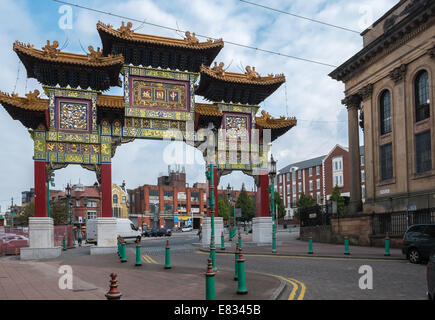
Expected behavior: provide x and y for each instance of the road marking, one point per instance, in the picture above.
(304, 257)
(303, 288)
(149, 259)
(295, 288)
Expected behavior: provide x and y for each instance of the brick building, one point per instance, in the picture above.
(170, 203)
(317, 177)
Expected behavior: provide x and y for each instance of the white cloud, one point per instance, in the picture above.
(311, 94)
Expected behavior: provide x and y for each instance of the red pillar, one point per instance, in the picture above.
(106, 190)
(262, 197)
(40, 189)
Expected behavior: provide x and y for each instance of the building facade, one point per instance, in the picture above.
(390, 84)
(317, 177)
(120, 202)
(170, 203)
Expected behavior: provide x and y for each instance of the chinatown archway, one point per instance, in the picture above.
(159, 78)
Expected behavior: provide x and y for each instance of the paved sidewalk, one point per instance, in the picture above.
(287, 244)
(39, 280)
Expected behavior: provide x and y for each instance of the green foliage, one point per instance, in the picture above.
(223, 207)
(304, 202)
(23, 219)
(279, 204)
(336, 196)
(59, 212)
(247, 204)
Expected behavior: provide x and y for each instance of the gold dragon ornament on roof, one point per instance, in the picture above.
(218, 69)
(51, 49)
(94, 56)
(125, 30)
(191, 38)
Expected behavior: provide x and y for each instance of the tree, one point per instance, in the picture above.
(304, 202)
(336, 196)
(223, 207)
(245, 202)
(279, 204)
(23, 219)
(59, 212)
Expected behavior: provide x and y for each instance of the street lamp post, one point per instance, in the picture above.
(229, 212)
(68, 196)
(209, 175)
(272, 175)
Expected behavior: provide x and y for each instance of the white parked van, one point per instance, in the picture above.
(124, 228)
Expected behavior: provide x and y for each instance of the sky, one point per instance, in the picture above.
(308, 94)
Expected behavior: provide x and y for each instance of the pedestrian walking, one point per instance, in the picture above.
(80, 237)
(199, 234)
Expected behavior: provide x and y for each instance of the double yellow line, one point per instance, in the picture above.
(148, 259)
(295, 287)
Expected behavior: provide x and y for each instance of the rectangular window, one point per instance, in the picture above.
(294, 201)
(194, 196)
(362, 160)
(168, 195)
(288, 177)
(310, 171)
(77, 203)
(294, 189)
(288, 202)
(317, 170)
(91, 215)
(299, 174)
(318, 184)
(280, 178)
(153, 194)
(293, 176)
(300, 186)
(363, 191)
(311, 185)
(363, 176)
(386, 159)
(423, 158)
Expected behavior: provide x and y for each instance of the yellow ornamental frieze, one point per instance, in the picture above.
(105, 149)
(39, 146)
(74, 158)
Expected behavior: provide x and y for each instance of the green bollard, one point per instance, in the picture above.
(209, 282)
(222, 241)
(236, 256)
(123, 252)
(138, 259)
(167, 256)
(346, 245)
(310, 245)
(63, 245)
(74, 240)
(241, 285)
(290, 228)
(387, 245)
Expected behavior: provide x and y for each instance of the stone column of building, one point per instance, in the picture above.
(367, 126)
(399, 132)
(262, 223)
(40, 189)
(262, 197)
(106, 190)
(353, 104)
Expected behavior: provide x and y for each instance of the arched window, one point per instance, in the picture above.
(115, 198)
(385, 112)
(422, 99)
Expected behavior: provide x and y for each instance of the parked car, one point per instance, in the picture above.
(418, 242)
(166, 232)
(187, 228)
(430, 276)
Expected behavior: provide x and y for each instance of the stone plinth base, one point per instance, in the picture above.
(40, 253)
(102, 250)
(206, 231)
(41, 232)
(262, 230)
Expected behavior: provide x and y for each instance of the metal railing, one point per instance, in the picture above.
(396, 223)
(314, 216)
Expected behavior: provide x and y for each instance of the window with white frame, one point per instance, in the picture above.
(363, 191)
(288, 176)
(362, 160)
(293, 175)
(300, 186)
(288, 202)
(294, 188)
(311, 185)
(318, 184)
(337, 171)
(310, 171)
(299, 174)
(294, 200)
(363, 176)
(91, 215)
(317, 170)
(280, 178)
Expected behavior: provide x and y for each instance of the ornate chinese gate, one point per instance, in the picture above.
(84, 126)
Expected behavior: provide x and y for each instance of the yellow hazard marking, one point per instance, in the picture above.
(148, 259)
